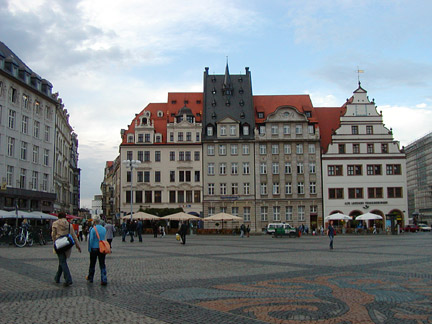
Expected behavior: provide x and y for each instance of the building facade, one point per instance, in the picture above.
(166, 139)
(419, 179)
(228, 146)
(364, 170)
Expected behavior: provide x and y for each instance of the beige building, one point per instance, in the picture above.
(287, 162)
(166, 139)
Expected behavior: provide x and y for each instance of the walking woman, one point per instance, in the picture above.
(93, 247)
(63, 227)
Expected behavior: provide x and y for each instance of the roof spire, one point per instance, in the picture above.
(227, 79)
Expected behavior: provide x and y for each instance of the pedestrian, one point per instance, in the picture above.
(93, 248)
(110, 230)
(131, 229)
(183, 232)
(331, 234)
(139, 229)
(155, 229)
(247, 231)
(124, 230)
(242, 230)
(80, 232)
(59, 228)
(86, 230)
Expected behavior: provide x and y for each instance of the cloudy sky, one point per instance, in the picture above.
(109, 59)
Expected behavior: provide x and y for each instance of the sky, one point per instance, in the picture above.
(109, 59)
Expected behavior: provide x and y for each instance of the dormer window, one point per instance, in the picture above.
(130, 139)
(246, 130)
(209, 131)
(158, 138)
(240, 79)
(241, 103)
(308, 114)
(144, 121)
(213, 79)
(160, 113)
(260, 115)
(214, 103)
(227, 92)
(241, 91)
(214, 91)
(227, 103)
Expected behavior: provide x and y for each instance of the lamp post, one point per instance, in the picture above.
(131, 164)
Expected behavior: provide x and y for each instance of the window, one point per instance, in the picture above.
(233, 130)
(180, 137)
(234, 149)
(12, 115)
(246, 168)
(312, 167)
(172, 176)
(181, 176)
(147, 138)
(312, 187)
(263, 149)
(222, 168)
(172, 196)
(22, 182)
(128, 196)
(35, 154)
(223, 131)
(286, 129)
(246, 214)
(47, 133)
(13, 94)
(223, 189)
(234, 168)
(262, 129)
(299, 129)
(393, 169)
(287, 148)
(25, 101)
(197, 177)
(354, 170)
(180, 196)
(289, 213)
(263, 188)
(146, 156)
(211, 169)
(188, 156)
(341, 148)
(130, 139)
(245, 130)
(234, 188)
(9, 175)
(146, 176)
(246, 188)
(171, 136)
(375, 193)
(210, 150)
(311, 148)
(288, 169)
(129, 155)
(301, 213)
(209, 131)
(300, 169)
(354, 130)
(157, 176)
(275, 168)
(356, 148)
(370, 148)
(394, 192)
(300, 188)
(158, 138)
(222, 149)
(46, 157)
(35, 180)
(355, 193)
(23, 151)
(181, 156)
(299, 148)
(45, 182)
(335, 170)
(148, 196)
(276, 188)
(276, 213)
(275, 130)
(157, 156)
(37, 108)
(197, 196)
(263, 168)
(188, 136)
(196, 155)
(336, 193)
(198, 136)
(140, 176)
(369, 130)
(140, 138)
(235, 211)
(24, 124)
(245, 149)
(211, 189)
(288, 188)
(275, 149)
(211, 211)
(373, 169)
(384, 148)
(264, 212)
(189, 196)
(311, 129)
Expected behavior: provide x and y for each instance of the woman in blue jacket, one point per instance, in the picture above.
(93, 247)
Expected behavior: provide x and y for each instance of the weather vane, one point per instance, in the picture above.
(358, 74)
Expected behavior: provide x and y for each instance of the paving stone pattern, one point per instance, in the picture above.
(227, 279)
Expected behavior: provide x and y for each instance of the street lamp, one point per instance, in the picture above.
(131, 164)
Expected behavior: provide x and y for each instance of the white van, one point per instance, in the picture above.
(271, 227)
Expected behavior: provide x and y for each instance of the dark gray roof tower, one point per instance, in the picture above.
(228, 96)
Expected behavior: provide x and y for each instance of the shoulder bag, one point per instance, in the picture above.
(64, 243)
(104, 246)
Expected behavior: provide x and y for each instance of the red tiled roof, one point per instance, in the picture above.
(176, 101)
(329, 121)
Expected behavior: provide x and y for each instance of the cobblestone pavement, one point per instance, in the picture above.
(227, 279)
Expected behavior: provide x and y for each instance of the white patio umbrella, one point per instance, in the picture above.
(181, 216)
(337, 216)
(368, 216)
(222, 217)
(142, 215)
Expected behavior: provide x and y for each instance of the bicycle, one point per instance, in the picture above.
(42, 240)
(24, 237)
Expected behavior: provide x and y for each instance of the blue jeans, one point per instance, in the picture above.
(331, 241)
(63, 268)
(94, 254)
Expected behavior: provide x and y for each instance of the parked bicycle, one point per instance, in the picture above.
(23, 238)
(42, 240)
